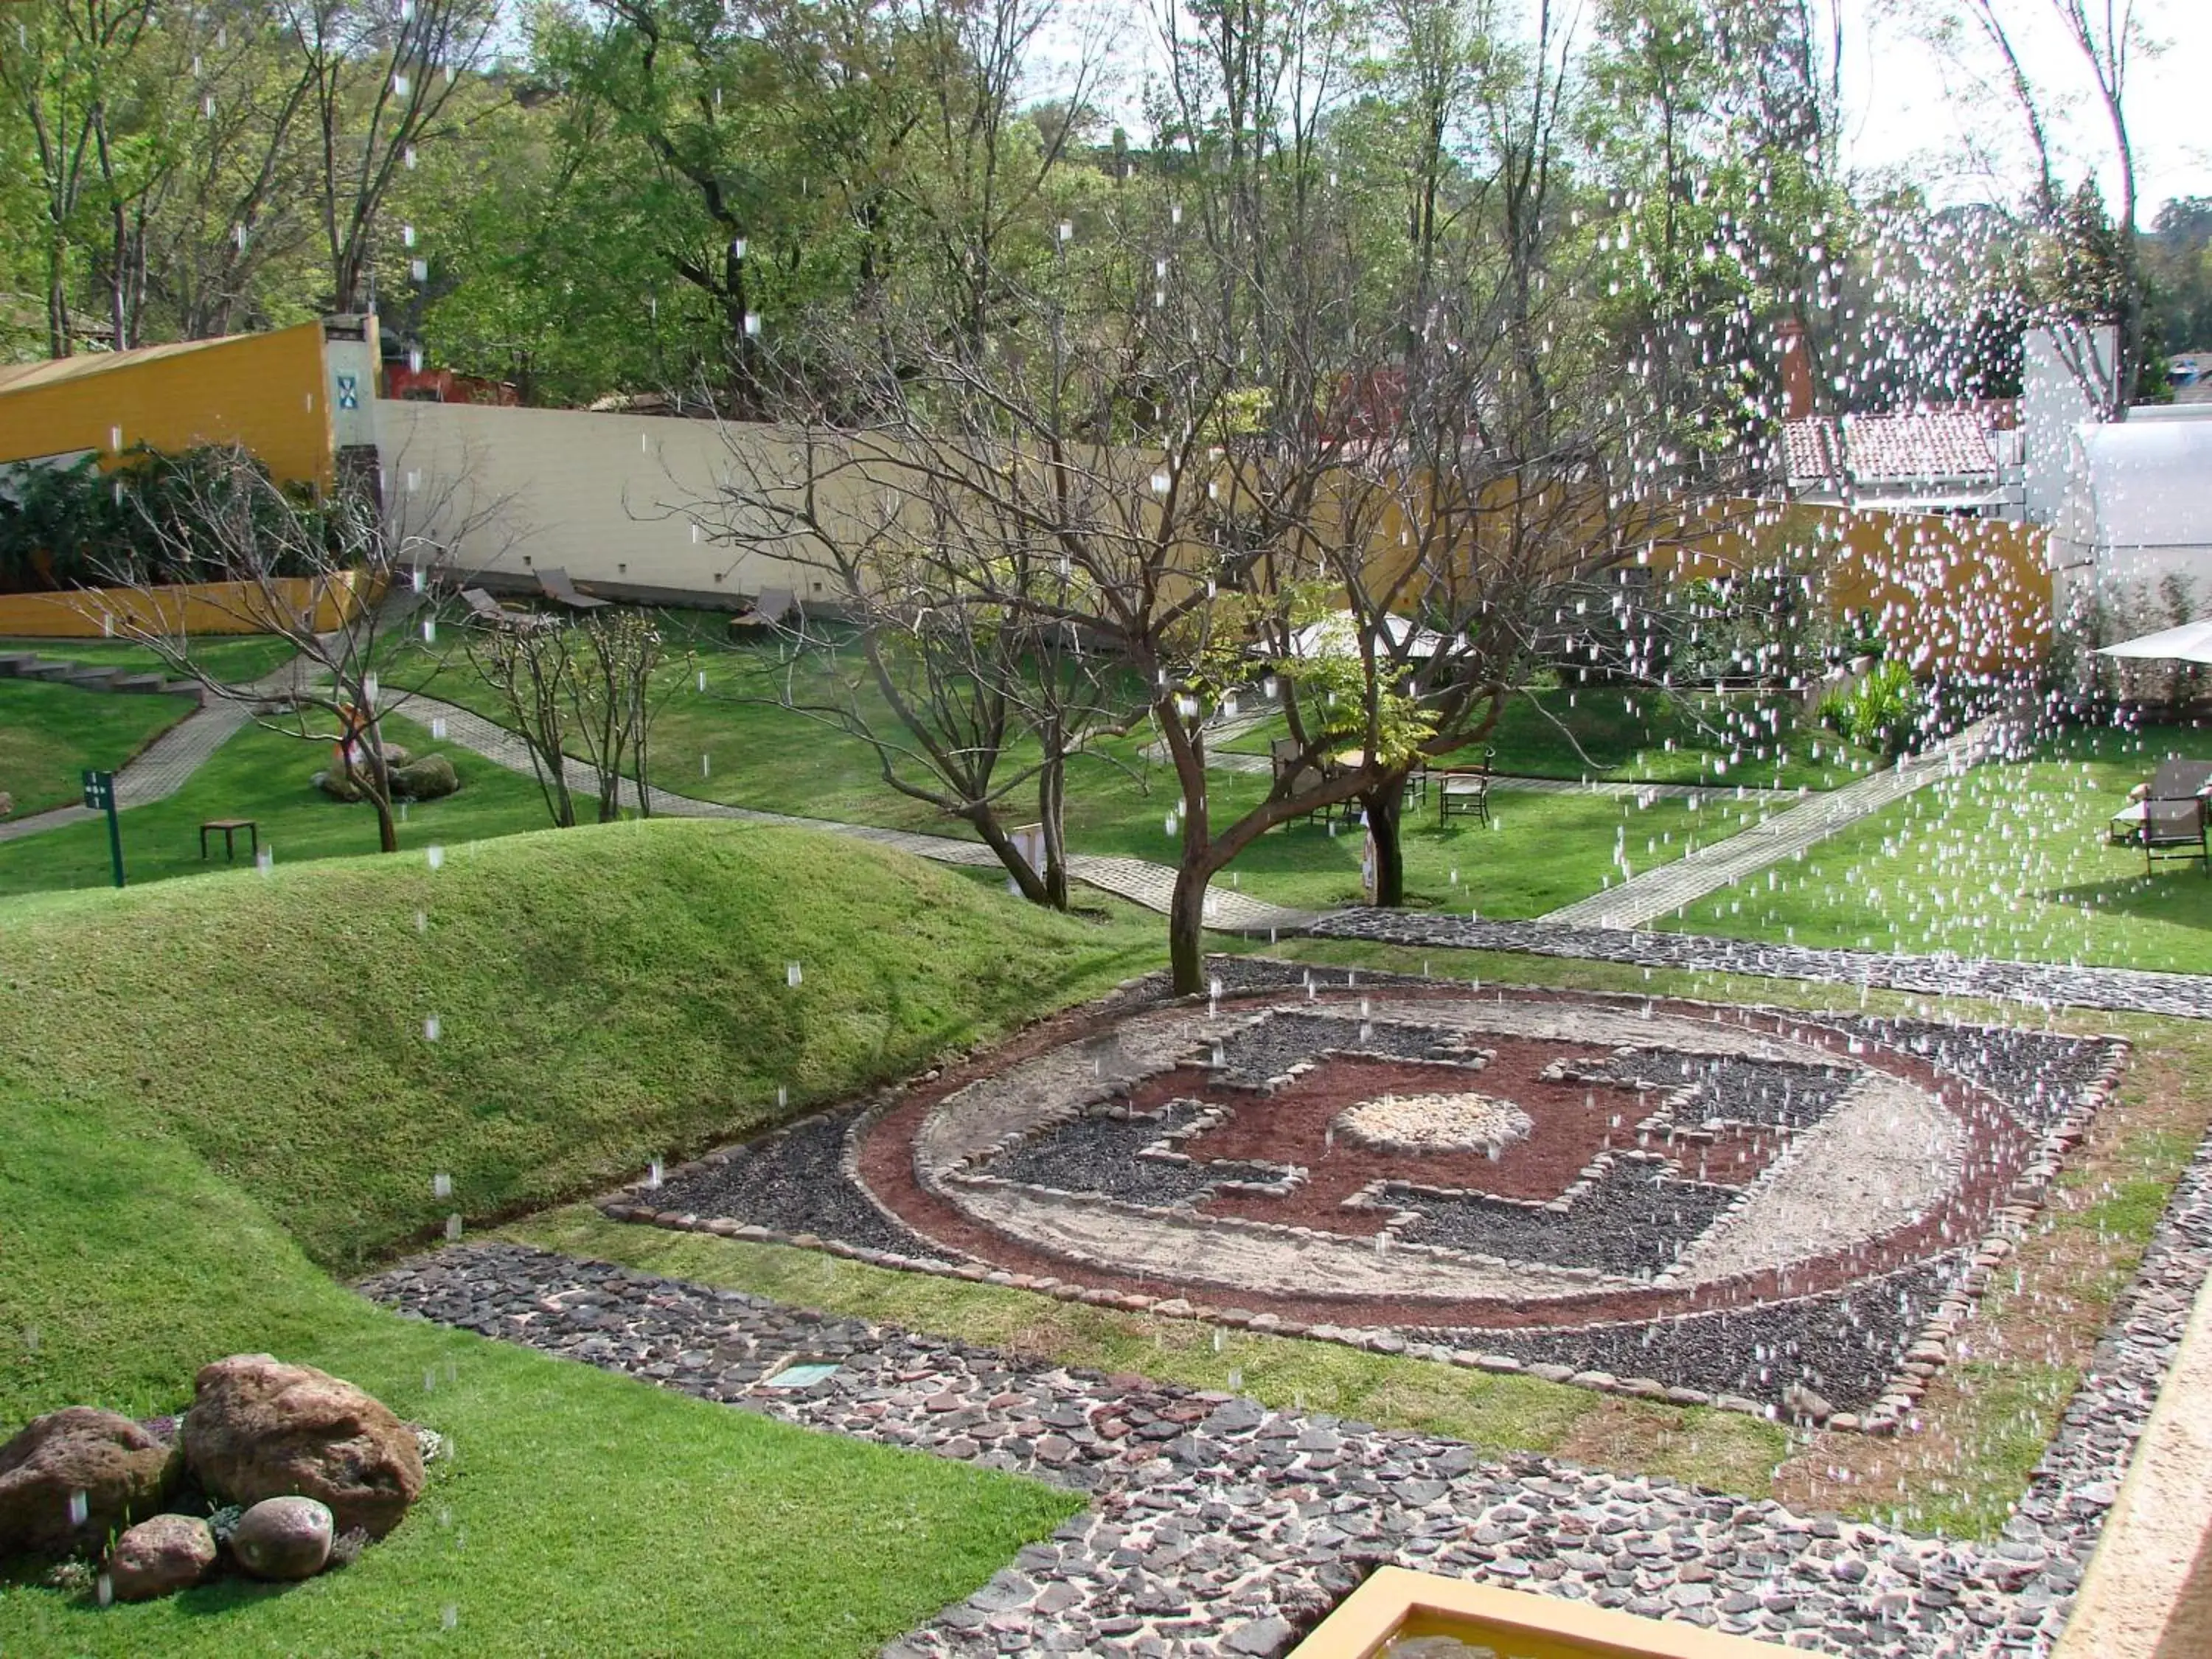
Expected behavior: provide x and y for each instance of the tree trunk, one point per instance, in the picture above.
(1386, 810)
(59, 342)
(1187, 930)
(387, 826)
(1052, 813)
(987, 825)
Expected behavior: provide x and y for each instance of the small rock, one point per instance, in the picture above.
(161, 1555)
(1263, 1637)
(283, 1538)
(113, 1469)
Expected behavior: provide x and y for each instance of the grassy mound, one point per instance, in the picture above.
(212, 1086)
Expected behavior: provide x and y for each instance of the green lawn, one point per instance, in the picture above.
(730, 743)
(50, 734)
(2009, 859)
(1639, 735)
(1725, 1450)
(217, 1089)
(266, 775)
(232, 658)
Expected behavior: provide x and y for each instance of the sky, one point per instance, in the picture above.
(1907, 106)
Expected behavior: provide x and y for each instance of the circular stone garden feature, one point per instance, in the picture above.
(1778, 1213)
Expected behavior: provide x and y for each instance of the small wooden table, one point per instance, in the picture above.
(230, 827)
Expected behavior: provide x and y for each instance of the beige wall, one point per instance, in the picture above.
(602, 496)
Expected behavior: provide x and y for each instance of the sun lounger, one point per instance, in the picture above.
(555, 586)
(771, 609)
(483, 608)
(2175, 812)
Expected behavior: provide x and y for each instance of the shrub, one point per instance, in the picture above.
(1882, 711)
(84, 524)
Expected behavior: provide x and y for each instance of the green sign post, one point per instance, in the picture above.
(99, 796)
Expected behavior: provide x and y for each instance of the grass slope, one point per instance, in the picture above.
(50, 734)
(188, 1063)
(2008, 859)
(605, 996)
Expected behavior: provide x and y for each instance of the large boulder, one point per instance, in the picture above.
(283, 1538)
(258, 1428)
(157, 1557)
(71, 1477)
(431, 778)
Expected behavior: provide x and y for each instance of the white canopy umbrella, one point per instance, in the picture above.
(2191, 642)
(1337, 634)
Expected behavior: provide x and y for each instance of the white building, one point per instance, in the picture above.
(2137, 507)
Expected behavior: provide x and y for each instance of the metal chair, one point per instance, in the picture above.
(1464, 791)
(2173, 825)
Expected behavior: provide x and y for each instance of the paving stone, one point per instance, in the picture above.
(1242, 1531)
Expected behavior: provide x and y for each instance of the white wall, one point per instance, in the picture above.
(2063, 382)
(604, 496)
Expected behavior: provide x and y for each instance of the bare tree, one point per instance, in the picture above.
(613, 699)
(2106, 35)
(965, 700)
(335, 579)
(530, 669)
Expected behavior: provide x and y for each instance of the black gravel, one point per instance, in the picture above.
(2041, 1076)
(1842, 1345)
(1101, 1153)
(1269, 1048)
(794, 1182)
(1729, 1087)
(1632, 1219)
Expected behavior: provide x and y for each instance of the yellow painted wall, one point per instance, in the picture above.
(204, 608)
(262, 390)
(1951, 595)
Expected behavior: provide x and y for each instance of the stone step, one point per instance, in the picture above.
(182, 688)
(145, 683)
(13, 663)
(93, 679)
(40, 670)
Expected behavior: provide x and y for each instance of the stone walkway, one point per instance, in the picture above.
(1137, 880)
(1218, 1527)
(1669, 887)
(2037, 984)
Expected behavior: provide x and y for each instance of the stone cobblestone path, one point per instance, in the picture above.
(2037, 984)
(1656, 892)
(1219, 1526)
